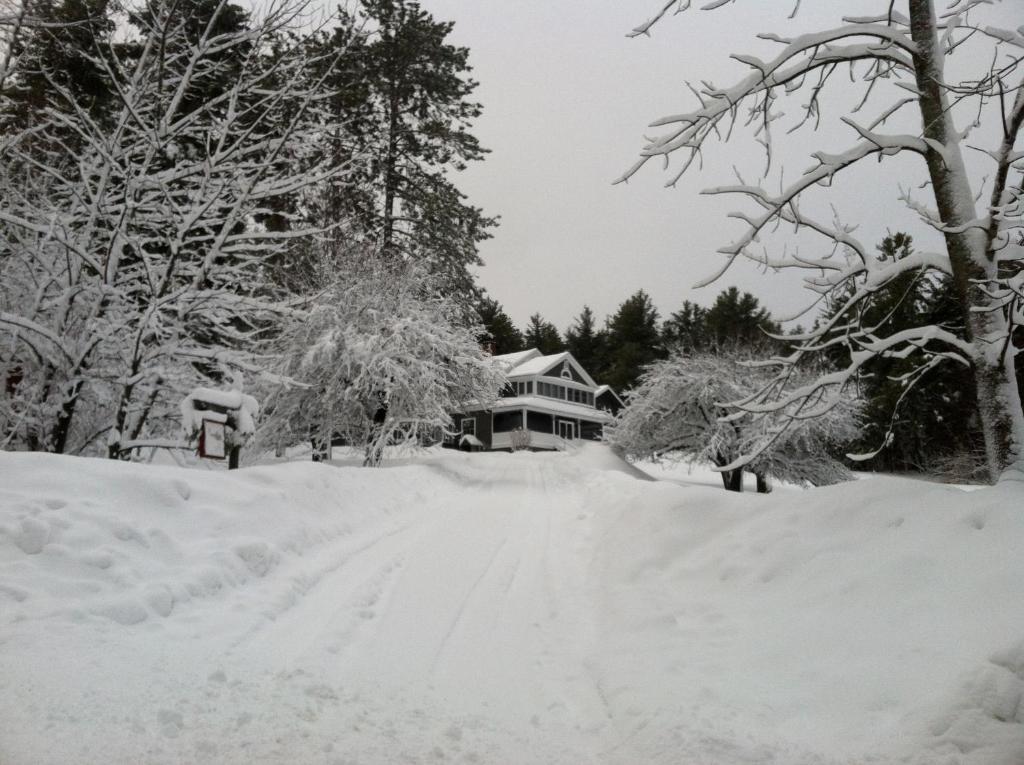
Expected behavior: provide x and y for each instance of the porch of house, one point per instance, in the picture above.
(526, 428)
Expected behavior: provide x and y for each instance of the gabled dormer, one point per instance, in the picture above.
(557, 376)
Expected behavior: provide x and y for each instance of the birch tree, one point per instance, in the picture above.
(904, 57)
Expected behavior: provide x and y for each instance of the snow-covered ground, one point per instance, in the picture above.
(495, 608)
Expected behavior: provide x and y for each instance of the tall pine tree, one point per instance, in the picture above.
(406, 95)
(739, 321)
(585, 342)
(58, 66)
(498, 327)
(633, 342)
(686, 329)
(542, 335)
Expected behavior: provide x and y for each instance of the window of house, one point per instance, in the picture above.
(505, 422)
(539, 422)
(529, 386)
(469, 426)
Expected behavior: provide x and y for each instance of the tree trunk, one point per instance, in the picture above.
(764, 483)
(390, 174)
(120, 418)
(970, 255)
(732, 480)
(62, 429)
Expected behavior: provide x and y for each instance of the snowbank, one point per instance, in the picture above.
(498, 608)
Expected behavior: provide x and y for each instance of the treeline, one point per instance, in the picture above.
(635, 335)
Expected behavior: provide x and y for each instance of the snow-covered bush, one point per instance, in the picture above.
(679, 411)
(381, 357)
(520, 439)
(135, 267)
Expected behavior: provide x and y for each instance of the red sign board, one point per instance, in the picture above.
(211, 440)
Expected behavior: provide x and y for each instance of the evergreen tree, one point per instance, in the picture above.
(633, 342)
(736, 320)
(405, 93)
(584, 342)
(498, 327)
(198, 21)
(543, 336)
(929, 412)
(58, 66)
(686, 329)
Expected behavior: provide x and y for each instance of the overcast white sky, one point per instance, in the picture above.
(567, 98)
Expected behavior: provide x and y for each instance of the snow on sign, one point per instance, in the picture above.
(211, 440)
(222, 420)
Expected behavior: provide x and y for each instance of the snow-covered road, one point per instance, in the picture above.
(464, 623)
(501, 609)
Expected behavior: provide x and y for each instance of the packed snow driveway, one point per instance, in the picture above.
(501, 609)
(458, 629)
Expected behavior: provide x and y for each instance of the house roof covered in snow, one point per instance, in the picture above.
(531, 362)
(602, 389)
(508, 361)
(551, 406)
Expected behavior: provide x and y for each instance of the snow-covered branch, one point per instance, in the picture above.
(905, 49)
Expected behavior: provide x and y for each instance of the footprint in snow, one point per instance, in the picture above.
(171, 722)
(33, 536)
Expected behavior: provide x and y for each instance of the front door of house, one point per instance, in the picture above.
(567, 429)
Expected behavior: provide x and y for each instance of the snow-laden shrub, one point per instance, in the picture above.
(381, 357)
(680, 410)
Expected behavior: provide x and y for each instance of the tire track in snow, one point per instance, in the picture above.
(465, 602)
(308, 605)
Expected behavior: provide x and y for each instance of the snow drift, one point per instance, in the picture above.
(498, 608)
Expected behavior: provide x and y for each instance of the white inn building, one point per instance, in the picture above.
(548, 402)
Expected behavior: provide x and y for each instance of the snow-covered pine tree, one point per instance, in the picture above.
(901, 52)
(407, 90)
